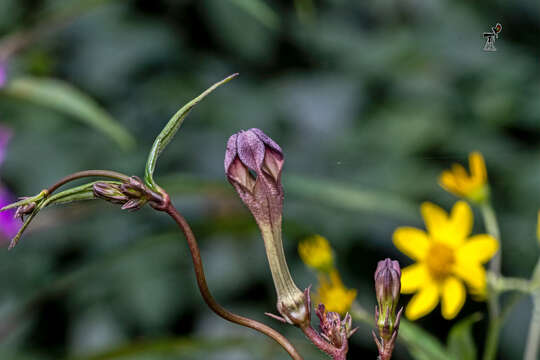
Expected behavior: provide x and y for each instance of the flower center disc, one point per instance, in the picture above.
(439, 260)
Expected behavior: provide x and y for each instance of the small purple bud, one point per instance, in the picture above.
(24, 210)
(387, 288)
(132, 194)
(109, 192)
(334, 329)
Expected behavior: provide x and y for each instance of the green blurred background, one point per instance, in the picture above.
(369, 100)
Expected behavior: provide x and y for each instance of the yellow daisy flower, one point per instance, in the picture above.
(474, 186)
(316, 252)
(446, 257)
(333, 294)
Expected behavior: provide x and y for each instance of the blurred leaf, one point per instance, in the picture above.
(65, 98)
(339, 195)
(460, 340)
(347, 197)
(421, 344)
(170, 129)
(165, 347)
(260, 11)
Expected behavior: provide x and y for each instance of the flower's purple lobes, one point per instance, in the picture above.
(9, 225)
(253, 164)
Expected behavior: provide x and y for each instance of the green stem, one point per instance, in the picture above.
(533, 338)
(490, 220)
(494, 327)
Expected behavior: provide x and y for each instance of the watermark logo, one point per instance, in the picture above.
(491, 37)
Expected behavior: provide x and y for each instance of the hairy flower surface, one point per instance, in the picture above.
(253, 165)
(315, 252)
(446, 258)
(333, 294)
(472, 186)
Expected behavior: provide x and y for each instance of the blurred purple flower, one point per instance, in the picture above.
(3, 74)
(8, 224)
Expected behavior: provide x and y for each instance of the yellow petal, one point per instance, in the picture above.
(479, 249)
(478, 167)
(473, 274)
(453, 297)
(435, 218)
(423, 302)
(447, 180)
(460, 173)
(461, 220)
(414, 277)
(412, 242)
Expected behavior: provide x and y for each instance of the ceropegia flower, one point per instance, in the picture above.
(447, 256)
(253, 164)
(473, 186)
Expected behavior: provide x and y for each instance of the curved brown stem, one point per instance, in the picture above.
(209, 299)
(87, 173)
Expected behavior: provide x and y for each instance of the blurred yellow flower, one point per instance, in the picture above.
(315, 252)
(474, 186)
(333, 294)
(445, 258)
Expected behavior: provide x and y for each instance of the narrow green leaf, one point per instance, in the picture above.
(260, 11)
(460, 340)
(78, 193)
(349, 197)
(168, 347)
(25, 201)
(65, 98)
(170, 129)
(421, 344)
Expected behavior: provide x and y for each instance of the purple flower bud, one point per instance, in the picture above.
(132, 194)
(387, 288)
(24, 210)
(109, 192)
(333, 329)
